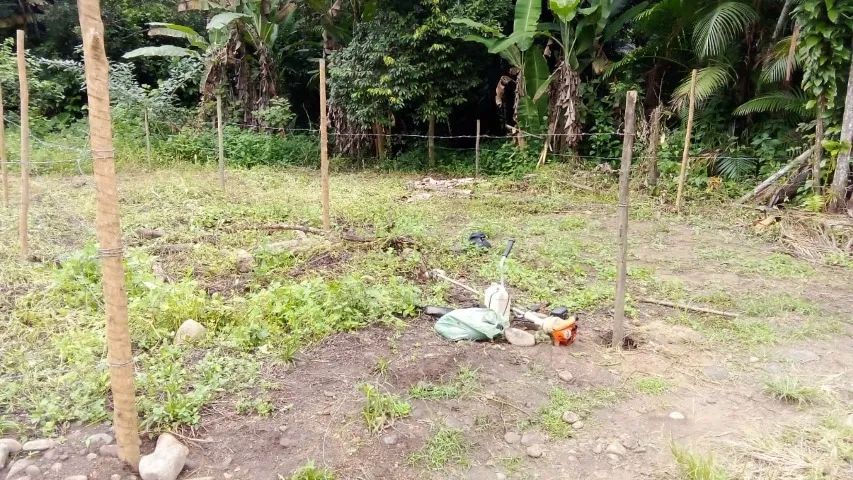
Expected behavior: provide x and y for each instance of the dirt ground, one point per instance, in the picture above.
(696, 381)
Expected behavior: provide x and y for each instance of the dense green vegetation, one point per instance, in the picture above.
(771, 81)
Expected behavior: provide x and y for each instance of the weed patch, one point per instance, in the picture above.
(790, 390)
(652, 385)
(381, 410)
(695, 466)
(445, 447)
(310, 472)
(746, 332)
(465, 383)
(583, 403)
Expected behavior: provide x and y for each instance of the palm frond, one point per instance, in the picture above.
(709, 81)
(734, 167)
(775, 62)
(719, 27)
(794, 103)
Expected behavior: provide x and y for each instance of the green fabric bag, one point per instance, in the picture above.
(470, 324)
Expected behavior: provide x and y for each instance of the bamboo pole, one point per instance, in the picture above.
(654, 143)
(119, 354)
(477, 151)
(622, 258)
(324, 148)
(219, 141)
(23, 227)
(682, 177)
(3, 172)
(147, 137)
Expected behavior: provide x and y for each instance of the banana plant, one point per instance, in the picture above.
(528, 70)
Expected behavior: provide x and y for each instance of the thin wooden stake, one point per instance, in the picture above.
(477, 151)
(147, 137)
(3, 172)
(654, 143)
(219, 135)
(324, 148)
(119, 353)
(23, 225)
(682, 177)
(622, 258)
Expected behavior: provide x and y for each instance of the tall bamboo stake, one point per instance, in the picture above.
(23, 227)
(219, 141)
(324, 148)
(622, 258)
(119, 354)
(654, 144)
(3, 172)
(477, 151)
(682, 177)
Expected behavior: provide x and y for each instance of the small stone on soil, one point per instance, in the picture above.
(566, 376)
(676, 416)
(598, 448)
(18, 466)
(56, 468)
(13, 445)
(108, 451)
(91, 457)
(33, 471)
(38, 445)
(613, 457)
(286, 442)
(390, 439)
(535, 451)
(617, 448)
(190, 331)
(245, 261)
(329, 394)
(77, 477)
(4, 455)
(95, 441)
(115, 476)
(578, 425)
(531, 438)
(571, 417)
(519, 337)
(500, 476)
(167, 460)
(512, 437)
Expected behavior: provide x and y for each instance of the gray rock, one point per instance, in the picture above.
(116, 476)
(802, 356)
(676, 415)
(108, 451)
(4, 455)
(628, 441)
(33, 471)
(91, 457)
(13, 445)
(571, 417)
(566, 376)
(500, 476)
(532, 438)
(617, 448)
(512, 437)
(245, 261)
(190, 331)
(578, 425)
(613, 458)
(167, 460)
(38, 445)
(18, 466)
(519, 337)
(77, 477)
(535, 451)
(390, 439)
(94, 442)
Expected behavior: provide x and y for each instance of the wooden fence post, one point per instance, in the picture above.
(682, 177)
(622, 257)
(654, 142)
(431, 141)
(119, 354)
(477, 151)
(23, 225)
(219, 141)
(324, 148)
(3, 172)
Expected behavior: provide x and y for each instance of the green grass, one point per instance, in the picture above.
(464, 384)
(777, 304)
(445, 447)
(652, 385)
(694, 466)
(584, 402)
(743, 331)
(310, 472)
(381, 410)
(789, 389)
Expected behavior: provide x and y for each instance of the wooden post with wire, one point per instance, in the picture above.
(221, 145)
(119, 354)
(477, 151)
(3, 172)
(682, 176)
(652, 172)
(324, 148)
(23, 225)
(622, 257)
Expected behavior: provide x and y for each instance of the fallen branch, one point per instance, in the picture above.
(776, 176)
(284, 226)
(683, 306)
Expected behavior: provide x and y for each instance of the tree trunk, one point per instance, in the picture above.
(564, 123)
(379, 139)
(838, 202)
(818, 143)
(431, 141)
(780, 23)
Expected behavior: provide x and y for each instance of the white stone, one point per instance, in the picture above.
(676, 416)
(535, 451)
(94, 442)
(578, 425)
(167, 460)
(519, 337)
(571, 417)
(617, 448)
(532, 438)
(566, 376)
(512, 437)
(77, 477)
(13, 445)
(190, 331)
